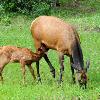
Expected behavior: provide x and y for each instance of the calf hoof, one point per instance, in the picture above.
(34, 77)
(73, 82)
(1, 78)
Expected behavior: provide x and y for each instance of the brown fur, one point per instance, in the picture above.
(22, 55)
(54, 33)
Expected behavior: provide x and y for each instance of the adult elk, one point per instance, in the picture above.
(60, 36)
(22, 55)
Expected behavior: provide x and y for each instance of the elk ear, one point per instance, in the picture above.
(87, 65)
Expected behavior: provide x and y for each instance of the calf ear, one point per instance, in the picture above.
(43, 45)
(39, 49)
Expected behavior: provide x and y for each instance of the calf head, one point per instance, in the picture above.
(42, 49)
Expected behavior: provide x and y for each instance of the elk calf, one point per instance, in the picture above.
(24, 56)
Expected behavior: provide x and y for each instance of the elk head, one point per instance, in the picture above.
(82, 74)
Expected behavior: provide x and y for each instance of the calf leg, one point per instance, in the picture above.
(4, 60)
(61, 61)
(31, 71)
(52, 70)
(72, 69)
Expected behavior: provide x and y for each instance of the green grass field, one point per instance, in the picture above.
(18, 33)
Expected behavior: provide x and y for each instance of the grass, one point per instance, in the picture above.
(18, 33)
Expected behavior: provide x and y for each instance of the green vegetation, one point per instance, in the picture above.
(15, 30)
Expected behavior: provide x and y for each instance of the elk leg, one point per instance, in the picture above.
(31, 71)
(52, 70)
(61, 61)
(72, 70)
(38, 73)
(1, 77)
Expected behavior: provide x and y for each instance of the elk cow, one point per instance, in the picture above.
(22, 55)
(60, 36)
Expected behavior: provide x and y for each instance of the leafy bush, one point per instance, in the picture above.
(37, 7)
(4, 18)
(2, 11)
(41, 9)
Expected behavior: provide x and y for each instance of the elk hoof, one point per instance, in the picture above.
(60, 81)
(53, 73)
(39, 80)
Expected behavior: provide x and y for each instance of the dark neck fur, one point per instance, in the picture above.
(78, 55)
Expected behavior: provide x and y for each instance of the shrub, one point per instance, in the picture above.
(36, 7)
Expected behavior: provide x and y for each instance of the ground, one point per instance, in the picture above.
(17, 32)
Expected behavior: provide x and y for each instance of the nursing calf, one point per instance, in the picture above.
(24, 56)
